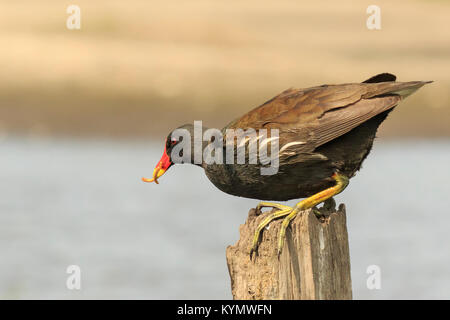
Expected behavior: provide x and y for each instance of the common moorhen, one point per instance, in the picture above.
(325, 133)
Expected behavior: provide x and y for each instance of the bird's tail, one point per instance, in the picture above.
(403, 89)
(408, 88)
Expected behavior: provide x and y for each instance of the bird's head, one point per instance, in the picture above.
(177, 149)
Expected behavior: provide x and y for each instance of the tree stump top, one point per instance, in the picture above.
(314, 263)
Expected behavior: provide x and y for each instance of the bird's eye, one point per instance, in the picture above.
(173, 141)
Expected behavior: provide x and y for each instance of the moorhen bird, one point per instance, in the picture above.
(325, 133)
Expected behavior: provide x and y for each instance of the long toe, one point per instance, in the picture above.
(270, 205)
(270, 217)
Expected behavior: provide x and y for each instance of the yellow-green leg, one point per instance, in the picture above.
(341, 184)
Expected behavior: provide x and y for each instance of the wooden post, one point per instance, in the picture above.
(314, 263)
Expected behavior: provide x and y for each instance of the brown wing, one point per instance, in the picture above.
(337, 122)
(317, 115)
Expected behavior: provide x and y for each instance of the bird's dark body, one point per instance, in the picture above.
(299, 180)
(322, 130)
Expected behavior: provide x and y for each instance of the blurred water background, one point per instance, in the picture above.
(84, 114)
(139, 68)
(72, 202)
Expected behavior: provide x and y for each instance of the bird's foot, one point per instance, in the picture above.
(281, 212)
(291, 212)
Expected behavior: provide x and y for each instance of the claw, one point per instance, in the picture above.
(279, 249)
(255, 251)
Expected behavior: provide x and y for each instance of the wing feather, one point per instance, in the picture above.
(318, 115)
(337, 122)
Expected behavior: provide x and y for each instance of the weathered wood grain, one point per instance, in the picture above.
(314, 264)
